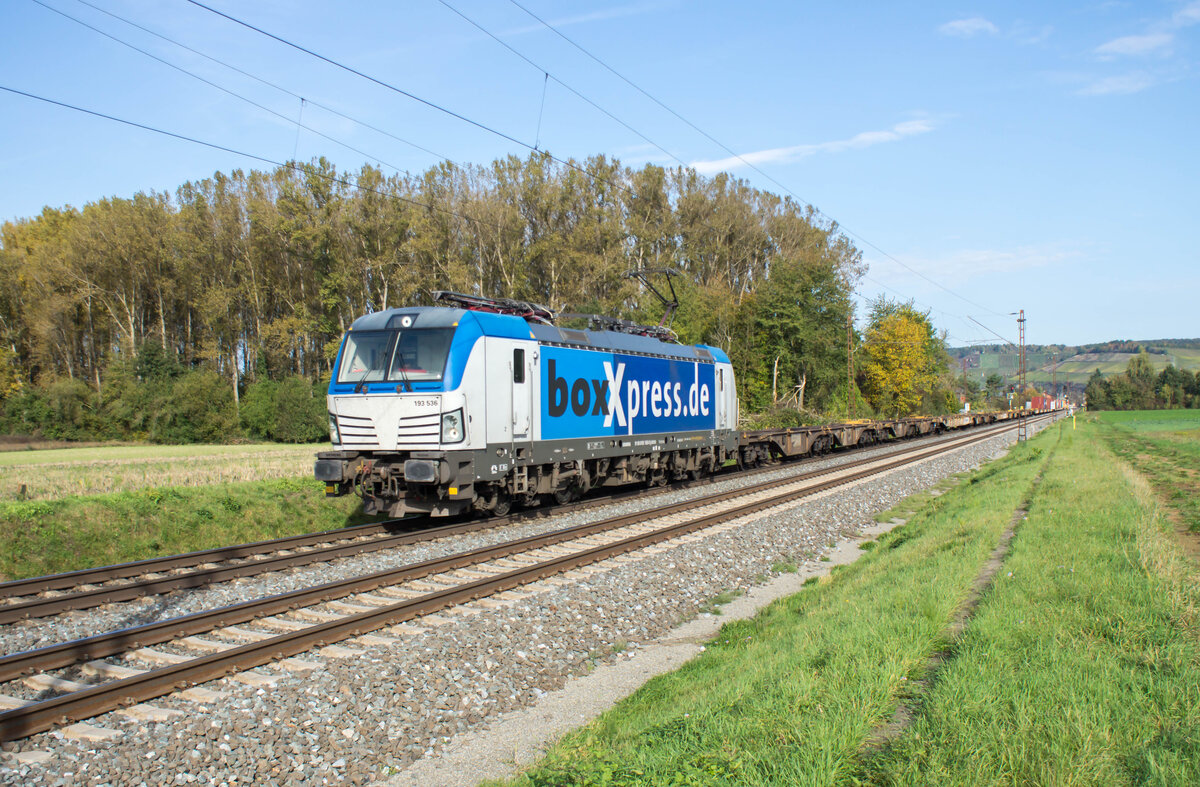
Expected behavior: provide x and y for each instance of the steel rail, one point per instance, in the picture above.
(87, 576)
(120, 641)
(44, 607)
(37, 717)
(86, 599)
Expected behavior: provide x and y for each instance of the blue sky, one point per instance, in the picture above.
(1020, 155)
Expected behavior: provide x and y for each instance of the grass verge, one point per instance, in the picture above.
(46, 537)
(1081, 665)
(789, 696)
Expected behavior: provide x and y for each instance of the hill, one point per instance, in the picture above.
(1075, 364)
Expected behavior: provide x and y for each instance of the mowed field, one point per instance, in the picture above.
(1164, 446)
(98, 506)
(51, 474)
(1077, 663)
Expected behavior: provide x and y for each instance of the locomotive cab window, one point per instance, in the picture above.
(365, 357)
(518, 366)
(421, 354)
(397, 356)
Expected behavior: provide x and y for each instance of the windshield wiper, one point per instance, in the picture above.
(361, 381)
(404, 377)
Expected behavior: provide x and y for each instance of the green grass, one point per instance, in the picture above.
(1083, 666)
(45, 537)
(789, 696)
(1164, 446)
(714, 604)
(1150, 420)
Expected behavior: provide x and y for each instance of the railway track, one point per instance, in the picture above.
(54, 594)
(293, 623)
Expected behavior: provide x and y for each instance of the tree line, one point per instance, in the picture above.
(216, 310)
(1140, 388)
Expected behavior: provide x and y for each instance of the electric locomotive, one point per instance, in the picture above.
(485, 403)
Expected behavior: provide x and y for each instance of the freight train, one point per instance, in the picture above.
(486, 403)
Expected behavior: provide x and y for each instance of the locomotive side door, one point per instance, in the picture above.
(522, 392)
(722, 397)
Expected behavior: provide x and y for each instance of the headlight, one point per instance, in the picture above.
(452, 427)
(335, 436)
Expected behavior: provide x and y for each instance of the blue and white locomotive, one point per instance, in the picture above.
(443, 410)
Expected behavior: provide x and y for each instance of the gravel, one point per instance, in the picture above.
(361, 718)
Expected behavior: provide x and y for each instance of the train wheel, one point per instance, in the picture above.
(502, 505)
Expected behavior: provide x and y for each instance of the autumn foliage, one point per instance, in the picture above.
(905, 367)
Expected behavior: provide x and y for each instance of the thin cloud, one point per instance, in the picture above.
(963, 265)
(1188, 15)
(968, 28)
(1124, 84)
(865, 139)
(1158, 41)
(1150, 43)
(580, 19)
(1028, 36)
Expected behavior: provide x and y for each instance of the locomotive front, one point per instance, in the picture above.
(399, 412)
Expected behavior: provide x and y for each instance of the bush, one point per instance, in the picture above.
(153, 398)
(258, 409)
(62, 409)
(300, 415)
(26, 412)
(72, 406)
(200, 410)
(290, 411)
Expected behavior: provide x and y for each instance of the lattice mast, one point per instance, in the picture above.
(1022, 425)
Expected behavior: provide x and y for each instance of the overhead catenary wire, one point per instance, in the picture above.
(569, 88)
(424, 101)
(537, 139)
(265, 159)
(268, 83)
(299, 117)
(743, 160)
(305, 100)
(223, 89)
(981, 325)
